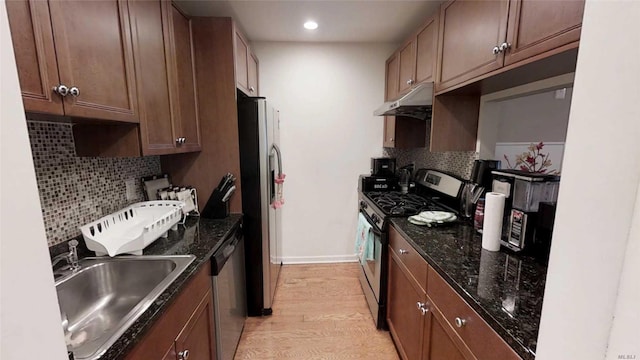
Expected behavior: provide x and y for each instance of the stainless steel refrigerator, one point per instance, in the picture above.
(260, 169)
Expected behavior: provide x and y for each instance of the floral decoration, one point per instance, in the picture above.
(533, 161)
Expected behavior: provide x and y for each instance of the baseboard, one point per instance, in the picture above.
(319, 259)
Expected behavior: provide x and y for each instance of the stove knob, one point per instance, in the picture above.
(375, 218)
(363, 204)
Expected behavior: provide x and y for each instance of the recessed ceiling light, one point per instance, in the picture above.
(311, 25)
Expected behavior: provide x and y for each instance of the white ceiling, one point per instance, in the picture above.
(387, 21)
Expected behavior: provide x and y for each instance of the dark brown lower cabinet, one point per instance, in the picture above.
(403, 314)
(185, 329)
(438, 344)
(422, 323)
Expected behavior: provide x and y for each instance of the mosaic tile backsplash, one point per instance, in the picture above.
(77, 190)
(456, 162)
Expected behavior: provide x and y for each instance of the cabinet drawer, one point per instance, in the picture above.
(481, 339)
(409, 257)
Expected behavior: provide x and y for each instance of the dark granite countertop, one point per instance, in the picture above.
(505, 289)
(200, 238)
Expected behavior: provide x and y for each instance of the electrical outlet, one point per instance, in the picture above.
(130, 185)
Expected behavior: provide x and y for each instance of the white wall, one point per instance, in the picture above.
(623, 339)
(326, 94)
(29, 316)
(601, 172)
(526, 113)
(533, 118)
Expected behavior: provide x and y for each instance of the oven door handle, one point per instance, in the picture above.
(374, 228)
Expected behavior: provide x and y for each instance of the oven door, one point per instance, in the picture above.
(373, 268)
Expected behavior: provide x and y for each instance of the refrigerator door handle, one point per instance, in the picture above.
(275, 148)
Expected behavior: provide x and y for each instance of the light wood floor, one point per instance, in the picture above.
(319, 312)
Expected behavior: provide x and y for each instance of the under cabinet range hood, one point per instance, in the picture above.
(416, 104)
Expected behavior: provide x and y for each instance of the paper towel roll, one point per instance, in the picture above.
(492, 228)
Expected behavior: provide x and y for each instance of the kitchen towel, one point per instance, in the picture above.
(492, 227)
(364, 240)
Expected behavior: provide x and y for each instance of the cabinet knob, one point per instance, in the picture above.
(61, 90)
(410, 82)
(74, 91)
(390, 139)
(183, 355)
(403, 251)
(504, 46)
(460, 322)
(184, 140)
(178, 141)
(422, 307)
(495, 50)
(252, 89)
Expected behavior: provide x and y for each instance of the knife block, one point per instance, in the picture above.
(215, 207)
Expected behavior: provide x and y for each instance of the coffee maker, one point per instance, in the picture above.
(524, 192)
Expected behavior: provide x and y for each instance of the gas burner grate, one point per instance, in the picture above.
(399, 204)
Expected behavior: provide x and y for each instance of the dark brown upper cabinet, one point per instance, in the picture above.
(426, 51)
(35, 55)
(479, 39)
(166, 85)
(95, 59)
(247, 66)
(182, 40)
(470, 36)
(537, 27)
(242, 70)
(407, 72)
(75, 58)
(156, 81)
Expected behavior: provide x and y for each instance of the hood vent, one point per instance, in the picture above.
(416, 104)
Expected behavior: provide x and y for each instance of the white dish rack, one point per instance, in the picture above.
(133, 228)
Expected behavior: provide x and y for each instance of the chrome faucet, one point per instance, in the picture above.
(71, 257)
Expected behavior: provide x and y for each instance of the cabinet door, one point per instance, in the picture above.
(407, 71)
(32, 38)
(253, 74)
(391, 85)
(438, 344)
(403, 316)
(189, 126)
(389, 131)
(93, 47)
(469, 32)
(197, 336)
(426, 51)
(150, 28)
(242, 72)
(171, 353)
(536, 27)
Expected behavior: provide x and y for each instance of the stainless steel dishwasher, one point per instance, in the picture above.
(229, 294)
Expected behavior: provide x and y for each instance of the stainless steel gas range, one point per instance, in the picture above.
(435, 191)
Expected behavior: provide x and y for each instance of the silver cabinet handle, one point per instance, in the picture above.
(61, 90)
(504, 46)
(495, 50)
(460, 322)
(422, 307)
(74, 91)
(252, 89)
(184, 140)
(178, 141)
(403, 251)
(410, 82)
(183, 355)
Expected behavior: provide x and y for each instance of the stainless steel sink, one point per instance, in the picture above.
(100, 301)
